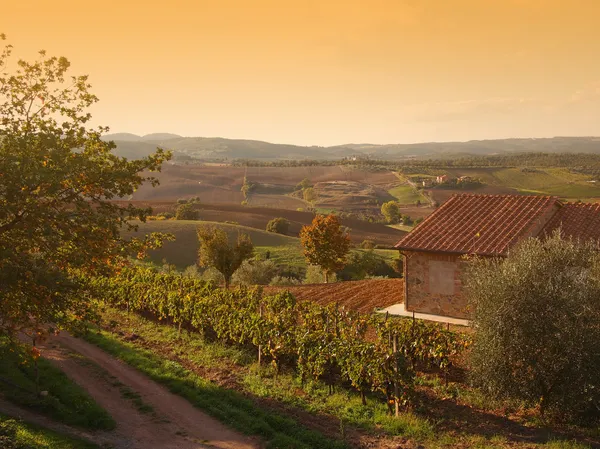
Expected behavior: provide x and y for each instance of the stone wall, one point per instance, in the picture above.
(433, 284)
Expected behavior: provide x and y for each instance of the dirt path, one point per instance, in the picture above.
(172, 424)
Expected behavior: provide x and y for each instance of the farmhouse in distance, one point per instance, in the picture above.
(481, 225)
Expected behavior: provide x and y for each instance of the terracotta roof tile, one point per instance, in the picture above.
(577, 220)
(478, 224)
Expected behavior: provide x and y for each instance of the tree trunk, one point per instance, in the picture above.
(326, 277)
(363, 397)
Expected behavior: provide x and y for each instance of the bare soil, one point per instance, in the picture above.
(174, 423)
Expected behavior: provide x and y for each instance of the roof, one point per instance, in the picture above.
(577, 220)
(362, 296)
(479, 224)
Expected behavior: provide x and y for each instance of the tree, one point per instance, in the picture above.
(278, 225)
(325, 244)
(391, 211)
(57, 177)
(536, 316)
(254, 272)
(216, 251)
(310, 195)
(304, 184)
(186, 212)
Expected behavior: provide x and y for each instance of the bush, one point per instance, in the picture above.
(181, 201)
(186, 212)
(367, 244)
(278, 225)
(166, 215)
(212, 275)
(536, 316)
(285, 281)
(254, 272)
(192, 271)
(315, 275)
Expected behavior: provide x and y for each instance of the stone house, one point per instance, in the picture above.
(483, 225)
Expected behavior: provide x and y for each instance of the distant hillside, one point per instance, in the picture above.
(133, 146)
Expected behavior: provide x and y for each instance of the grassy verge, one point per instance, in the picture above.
(229, 406)
(19, 435)
(65, 402)
(236, 368)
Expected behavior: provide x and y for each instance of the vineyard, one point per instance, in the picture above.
(341, 347)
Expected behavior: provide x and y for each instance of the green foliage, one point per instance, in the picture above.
(216, 251)
(186, 212)
(254, 272)
(391, 212)
(315, 275)
(321, 342)
(304, 184)
(57, 177)
(19, 435)
(278, 225)
(285, 281)
(536, 317)
(310, 195)
(367, 244)
(247, 188)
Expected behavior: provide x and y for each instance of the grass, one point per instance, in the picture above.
(183, 252)
(23, 435)
(343, 408)
(228, 406)
(66, 401)
(406, 194)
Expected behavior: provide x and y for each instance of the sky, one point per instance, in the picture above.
(327, 72)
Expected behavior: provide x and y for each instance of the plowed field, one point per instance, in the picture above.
(362, 296)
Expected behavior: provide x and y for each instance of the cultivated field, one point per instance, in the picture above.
(363, 296)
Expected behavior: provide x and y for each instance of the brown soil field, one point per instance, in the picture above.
(258, 217)
(362, 296)
(341, 188)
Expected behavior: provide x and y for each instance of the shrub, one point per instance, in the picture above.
(186, 212)
(536, 316)
(192, 271)
(315, 275)
(367, 244)
(181, 201)
(278, 225)
(212, 275)
(285, 280)
(254, 272)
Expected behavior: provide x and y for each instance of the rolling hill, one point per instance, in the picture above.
(131, 146)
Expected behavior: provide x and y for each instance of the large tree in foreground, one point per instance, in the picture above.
(216, 251)
(536, 316)
(325, 244)
(57, 176)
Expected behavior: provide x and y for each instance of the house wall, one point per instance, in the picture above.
(433, 284)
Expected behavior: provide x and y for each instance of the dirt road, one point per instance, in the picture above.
(170, 423)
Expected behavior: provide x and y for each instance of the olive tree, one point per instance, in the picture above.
(536, 316)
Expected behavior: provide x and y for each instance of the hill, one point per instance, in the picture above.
(222, 148)
(183, 252)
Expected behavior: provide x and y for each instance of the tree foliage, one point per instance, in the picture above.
(56, 179)
(216, 251)
(278, 225)
(186, 212)
(536, 316)
(325, 243)
(310, 195)
(391, 212)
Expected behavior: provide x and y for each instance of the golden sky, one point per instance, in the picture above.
(326, 72)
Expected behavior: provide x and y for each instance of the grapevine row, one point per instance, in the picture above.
(321, 342)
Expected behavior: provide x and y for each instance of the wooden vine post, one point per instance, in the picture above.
(396, 391)
(260, 314)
